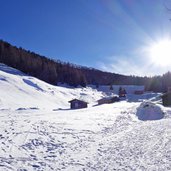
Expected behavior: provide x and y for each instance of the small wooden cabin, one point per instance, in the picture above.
(77, 104)
(122, 92)
(108, 100)
(166, 98)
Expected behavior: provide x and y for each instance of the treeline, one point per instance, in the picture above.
(55, 71)
(39, 66)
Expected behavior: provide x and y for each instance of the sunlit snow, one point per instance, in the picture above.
(38, 131)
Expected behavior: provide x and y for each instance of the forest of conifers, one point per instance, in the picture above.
(55, 71)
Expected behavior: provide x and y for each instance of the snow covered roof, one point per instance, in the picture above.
(77, 100)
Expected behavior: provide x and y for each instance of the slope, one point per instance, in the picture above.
(18, 90)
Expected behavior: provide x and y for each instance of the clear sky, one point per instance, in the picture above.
(112, 35)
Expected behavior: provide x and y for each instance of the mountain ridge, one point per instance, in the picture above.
(54, 71)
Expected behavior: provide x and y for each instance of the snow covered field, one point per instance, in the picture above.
(39, 132)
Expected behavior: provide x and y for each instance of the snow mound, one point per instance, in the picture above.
(149, 111)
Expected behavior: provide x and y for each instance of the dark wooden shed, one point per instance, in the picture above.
(166, 98)
(108, 100)
(78, 104)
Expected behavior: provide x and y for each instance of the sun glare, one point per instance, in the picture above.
(160, 52)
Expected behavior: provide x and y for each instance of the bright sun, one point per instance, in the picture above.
(160, 52)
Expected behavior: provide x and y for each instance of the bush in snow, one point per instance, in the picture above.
(149, 111)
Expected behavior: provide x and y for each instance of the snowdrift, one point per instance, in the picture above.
(149, 111)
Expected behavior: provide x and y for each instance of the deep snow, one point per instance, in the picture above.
(36, 135)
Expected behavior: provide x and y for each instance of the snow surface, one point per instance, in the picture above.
(35, 136)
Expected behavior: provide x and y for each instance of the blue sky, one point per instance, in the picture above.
(106, 34)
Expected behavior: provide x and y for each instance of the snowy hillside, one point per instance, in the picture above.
(21, 91)
(106, 137)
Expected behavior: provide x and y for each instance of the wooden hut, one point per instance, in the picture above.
(108, 100)
(166, 98)
(122, 92)
(78, 104)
